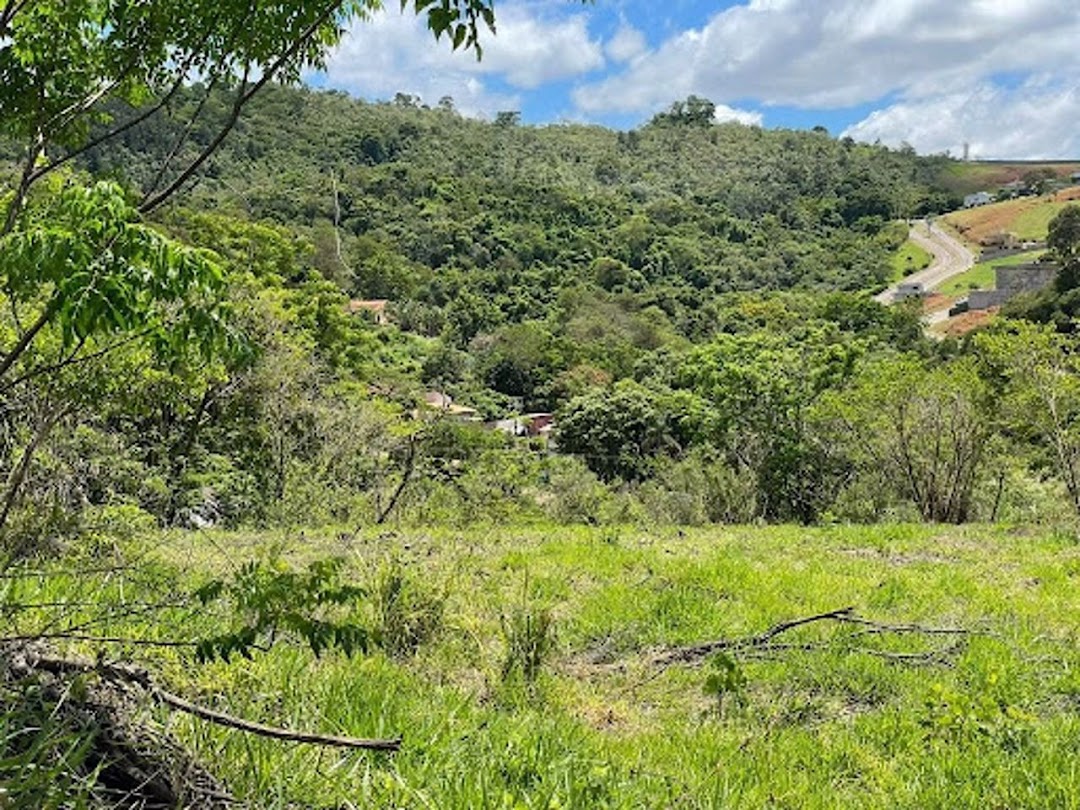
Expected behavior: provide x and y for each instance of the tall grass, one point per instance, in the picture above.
(821, 723)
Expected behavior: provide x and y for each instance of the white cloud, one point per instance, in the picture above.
(393, 52)
(839, 53)
(725, 113)
(1035, 121)
(529, 51)
(952, 72)
(627, 44)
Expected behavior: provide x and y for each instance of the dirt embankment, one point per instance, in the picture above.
(983, 224)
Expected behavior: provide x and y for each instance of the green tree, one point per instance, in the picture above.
(920, 432)
(1059, 304)
(1041, 402)
(82, 279)
(621, 431)
(1063, 234)
(66, 65)
(762, 388)
(1063, 240)
(82, 276)
(695, 111)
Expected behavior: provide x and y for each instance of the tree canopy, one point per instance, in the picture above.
(65, 64)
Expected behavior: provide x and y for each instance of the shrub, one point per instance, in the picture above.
(573, 492)
(700, 489)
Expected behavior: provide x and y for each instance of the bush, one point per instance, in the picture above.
(573, 493)
(699, 489)
(118, 522)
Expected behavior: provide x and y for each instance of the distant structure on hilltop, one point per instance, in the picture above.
(1011, 282)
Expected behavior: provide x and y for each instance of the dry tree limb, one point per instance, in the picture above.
(763, 642)
(140, 677)
(229, 721)
(877, 627)
(65, 636)
(694, 652)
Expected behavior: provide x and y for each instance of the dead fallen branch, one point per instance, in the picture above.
(222, 719)
(873, 627)
(140, 677)
(938, 655)
(695, 652)
(764, 643)
(129, 640)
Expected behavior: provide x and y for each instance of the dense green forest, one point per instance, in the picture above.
(690, 300)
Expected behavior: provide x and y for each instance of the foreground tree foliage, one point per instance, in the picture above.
(84, 279)
(66, 63)
(921, 431)
(85, 282)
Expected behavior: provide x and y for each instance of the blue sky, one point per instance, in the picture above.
(1002, 76)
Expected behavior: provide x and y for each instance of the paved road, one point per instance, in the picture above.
(950, 258)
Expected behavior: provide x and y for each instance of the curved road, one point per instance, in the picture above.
(950, 258)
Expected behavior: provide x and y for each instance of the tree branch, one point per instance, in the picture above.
(846, 615)
(25, 179)
(141, 677)
(159, 175)
(410, 465)
(136, 642)
(244, 95)
(697, 651)
(73, 360)
(18, 474)
(7, 14)
(229, 721)
(181, 72)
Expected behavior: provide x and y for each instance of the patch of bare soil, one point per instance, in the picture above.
(935, 302)
(966, 322)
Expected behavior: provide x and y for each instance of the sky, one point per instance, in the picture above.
(1001, 76)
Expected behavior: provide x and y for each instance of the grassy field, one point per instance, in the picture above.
(981, 276)
(1026, 218)
(909, 259)
(903, 713)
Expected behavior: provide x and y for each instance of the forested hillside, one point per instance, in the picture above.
(689, 299)
(428, 204)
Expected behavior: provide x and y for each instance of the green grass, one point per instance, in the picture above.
(1033, 224)
(981, 276)
(908, 259)
(823, 724)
